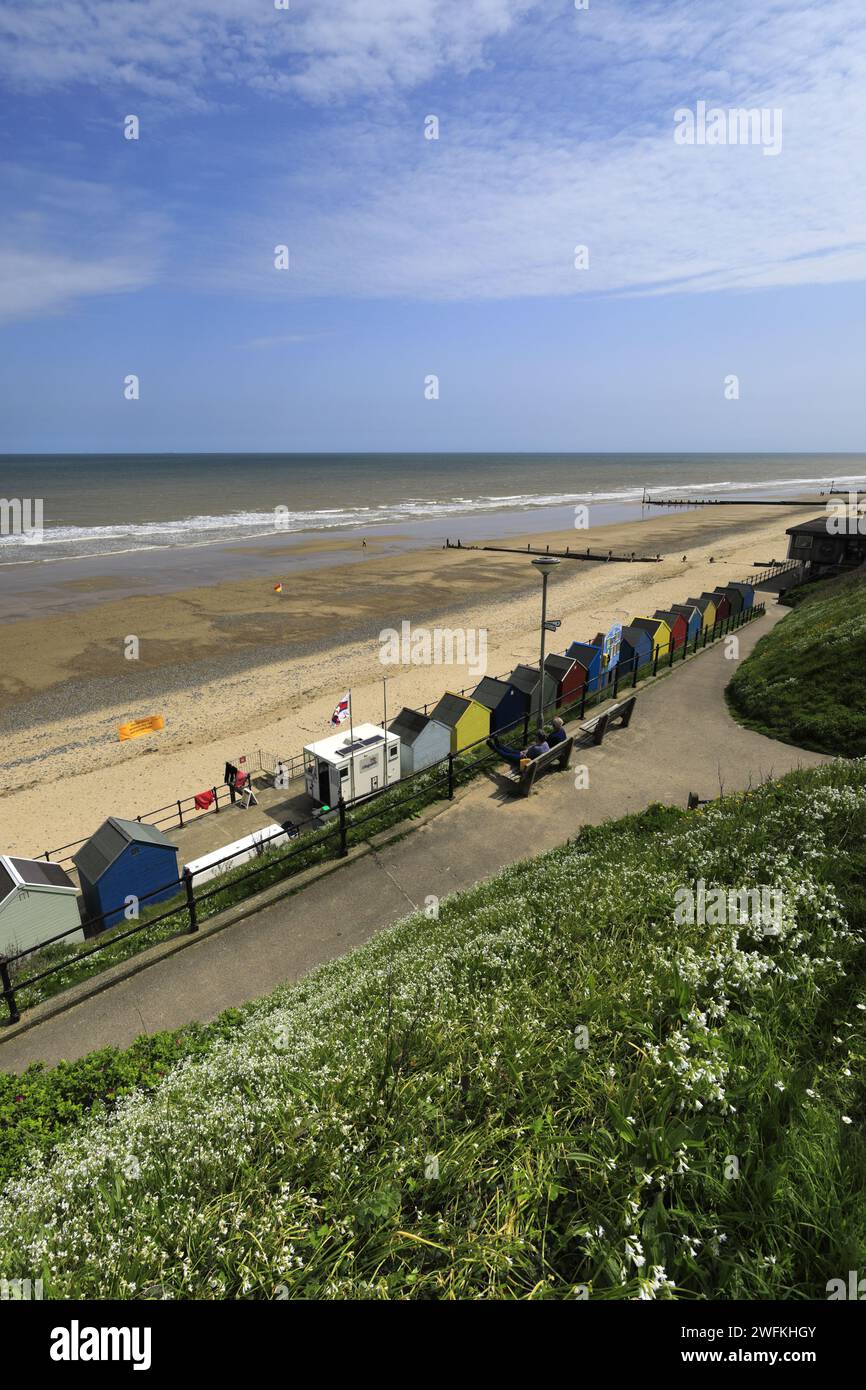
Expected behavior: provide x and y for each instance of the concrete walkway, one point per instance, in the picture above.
(681, 739)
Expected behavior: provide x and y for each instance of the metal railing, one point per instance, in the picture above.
(446, 774)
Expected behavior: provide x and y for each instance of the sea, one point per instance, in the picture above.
(111, 504)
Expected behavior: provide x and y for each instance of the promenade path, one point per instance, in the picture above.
(681, 739)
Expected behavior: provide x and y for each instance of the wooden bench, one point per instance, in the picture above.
(559, 755)
(620, 713)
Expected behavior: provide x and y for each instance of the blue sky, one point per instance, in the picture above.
(409, 256)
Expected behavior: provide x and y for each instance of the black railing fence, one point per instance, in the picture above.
(334, 830)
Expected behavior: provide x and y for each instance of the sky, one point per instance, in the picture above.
(559, 126)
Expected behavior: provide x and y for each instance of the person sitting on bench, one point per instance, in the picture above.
(558, 734)
(535, 749)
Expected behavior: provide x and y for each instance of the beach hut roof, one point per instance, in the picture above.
(632, 634)
(109, 842)
(490, 692)
(451, 709)
(584, 652)
(525, 678)
(701, 602)
(409, 724)
(31, 873)
(685, 609)
(816, 527)
(558, 666)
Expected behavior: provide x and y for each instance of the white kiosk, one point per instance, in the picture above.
(351, 765)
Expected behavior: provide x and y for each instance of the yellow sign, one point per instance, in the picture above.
(136, 727)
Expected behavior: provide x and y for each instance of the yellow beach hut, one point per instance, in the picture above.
(468, 720)
(658, 630)
(707, 609)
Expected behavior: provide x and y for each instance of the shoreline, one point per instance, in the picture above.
(211, 660)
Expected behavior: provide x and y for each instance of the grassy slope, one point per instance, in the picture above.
(293, 1155)
(804, 682)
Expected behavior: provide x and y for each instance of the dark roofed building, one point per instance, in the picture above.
(828, 543)
(125, 859)
(38, 901)
(423, 741)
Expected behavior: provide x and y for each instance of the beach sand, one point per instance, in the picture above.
(236, 667)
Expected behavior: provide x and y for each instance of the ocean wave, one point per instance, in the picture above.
(207, 528)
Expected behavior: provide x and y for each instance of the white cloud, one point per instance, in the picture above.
(187, 51)
(32, 284)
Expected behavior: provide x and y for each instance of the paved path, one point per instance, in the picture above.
(681, 739)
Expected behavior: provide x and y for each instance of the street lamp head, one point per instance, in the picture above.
(545, 563)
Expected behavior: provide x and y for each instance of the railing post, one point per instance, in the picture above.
(180, 813)
(656, 661)
(8, 991)
(216, 799)
(671, 652)
(636, 669)
(526, 728)
(582, 711)
(341, 811)
(190, 900)
(450, 776)
(616, 680)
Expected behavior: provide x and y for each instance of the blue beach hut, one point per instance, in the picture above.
(125, 859)
(693, 616)
(505, 702)
(636, 650)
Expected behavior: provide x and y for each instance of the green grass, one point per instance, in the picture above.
(804, 682)
(290, 1153)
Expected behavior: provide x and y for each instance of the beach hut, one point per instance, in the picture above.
(636, 650)
(734, 597)
(677, 624)
(350, 765)
(37, 901)
(658, 631)
(748, 594)
(707, 609)
(609, 642)
(423, 741)
(526, 680)
(693, 616)
(723, 604)
(124, 859)
(589, 657)
(570, 678)
(506, 703)
(468, 720)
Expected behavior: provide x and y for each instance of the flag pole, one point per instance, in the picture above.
(385, 722)
(352, 753)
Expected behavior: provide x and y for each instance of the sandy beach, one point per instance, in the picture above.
(235, 667)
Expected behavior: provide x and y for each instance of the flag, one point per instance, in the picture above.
(342, 712)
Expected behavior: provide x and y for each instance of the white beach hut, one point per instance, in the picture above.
(37, 901)
(351, 765)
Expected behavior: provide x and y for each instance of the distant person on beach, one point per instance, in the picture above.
(558, 734)
(684, 559)
(363, 545)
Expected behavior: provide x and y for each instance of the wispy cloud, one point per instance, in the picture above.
(192, 52)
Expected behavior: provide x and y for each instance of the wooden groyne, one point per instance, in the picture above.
(566, 554)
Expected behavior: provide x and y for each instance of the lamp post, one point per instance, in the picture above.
(545, 564)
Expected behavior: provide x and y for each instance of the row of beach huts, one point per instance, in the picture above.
(126, 860)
